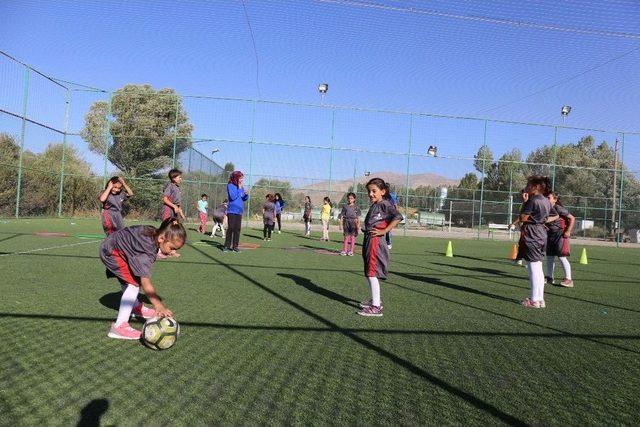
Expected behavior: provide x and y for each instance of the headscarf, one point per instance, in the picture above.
(235, 177)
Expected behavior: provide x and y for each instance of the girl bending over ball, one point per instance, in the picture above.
(128, 255)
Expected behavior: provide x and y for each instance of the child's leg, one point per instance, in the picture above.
(353, 243)
(269, 230)
(127, 302)
(551, 263)
(375, 291)
(345, 242)
(566, 267)
(264, 231)
(536, 277)
(221, 225)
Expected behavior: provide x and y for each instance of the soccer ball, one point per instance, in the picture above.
(160, 333)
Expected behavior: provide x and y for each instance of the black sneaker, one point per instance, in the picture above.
(226, 250)
(236, 250)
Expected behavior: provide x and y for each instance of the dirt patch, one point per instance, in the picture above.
(48, 234)
(248, 246)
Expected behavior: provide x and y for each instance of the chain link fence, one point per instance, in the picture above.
(60, 142)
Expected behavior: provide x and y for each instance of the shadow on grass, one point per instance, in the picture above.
(524, 277)
(308, 284)
(491, 271)
(438, 282)
(418, 332)
(506, 316)
(12, 237)
(404, 363)
(112, 300)
(90, 415)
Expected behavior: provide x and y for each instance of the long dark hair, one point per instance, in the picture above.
(379, 182)
(555, 195)
(171, 229)
(234, 178)
(540, 181)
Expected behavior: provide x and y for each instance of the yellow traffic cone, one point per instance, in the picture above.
(514, 252)
(583, 257)
(449, 252)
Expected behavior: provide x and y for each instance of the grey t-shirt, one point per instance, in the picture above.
(220, 211)
(380, 215)
(269, 212)
(114, 201)
(538, 208)
(350, 212)
(136, 245)
(557, 225)
(172, 191)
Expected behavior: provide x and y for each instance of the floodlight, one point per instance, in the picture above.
(432, 151)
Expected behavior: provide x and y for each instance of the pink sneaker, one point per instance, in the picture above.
(566, 283)
(528, 303)
(143, 312)
(368, 303)
(372, 311)
(124, 332)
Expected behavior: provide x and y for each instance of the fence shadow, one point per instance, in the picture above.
(308, 284)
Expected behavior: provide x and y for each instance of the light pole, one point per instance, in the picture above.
(323, 88)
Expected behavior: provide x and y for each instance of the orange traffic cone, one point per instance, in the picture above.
(514, 252)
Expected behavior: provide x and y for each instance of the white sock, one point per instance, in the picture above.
(536, 277)
(128, 301)
(551, 264)
(375, 290)
(566, 266)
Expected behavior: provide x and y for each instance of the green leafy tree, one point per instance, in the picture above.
(142, 127)
(9, 157)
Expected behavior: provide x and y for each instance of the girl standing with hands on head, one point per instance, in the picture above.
(236, 196)
(381, 218)
(112, 199)
(533, 218)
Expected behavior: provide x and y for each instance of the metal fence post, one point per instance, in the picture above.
(106, 132)
(555, 151)
(175, 131)
(67, 106)
(333, 129)
(253, 133)
(22, 132)
(406, 198)
(484, 161)
(621, 189)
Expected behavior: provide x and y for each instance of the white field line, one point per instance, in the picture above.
(51, 247)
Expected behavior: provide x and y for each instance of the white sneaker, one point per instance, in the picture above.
(279, 232)
(389, 247)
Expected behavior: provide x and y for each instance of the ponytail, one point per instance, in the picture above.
(172, 230)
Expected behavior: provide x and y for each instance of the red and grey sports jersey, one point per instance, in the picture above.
(130, 253)
(350, 212)
(112, 212)
(380, 215)
(172, 191)
(534, 230)
(114, 201)
(269, 214)
(561, 223)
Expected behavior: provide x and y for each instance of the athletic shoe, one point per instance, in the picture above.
(213, 235)
(143, 312)
(279, 232)
(236, 250)
(548, 280)
(368, 304)
(527, 303)
(124, 332)
(389, 247)
(542, 304)
(269, 239)
(372, 311)
(350, 253)
(226, 250)
(566, 283)
(343, 253)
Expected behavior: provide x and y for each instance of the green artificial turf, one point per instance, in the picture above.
(271, 336)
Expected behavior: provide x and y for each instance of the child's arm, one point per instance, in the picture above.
(167, 201)
(551, 218)
(382, 232)
(105, 193)
(572, 220)
(341, 222)
(126, 187)
(150, 292)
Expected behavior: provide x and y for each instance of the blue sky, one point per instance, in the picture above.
(459, 58)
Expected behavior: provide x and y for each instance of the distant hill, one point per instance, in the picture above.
(397, 179)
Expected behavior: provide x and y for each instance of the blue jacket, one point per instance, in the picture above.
(237, 197)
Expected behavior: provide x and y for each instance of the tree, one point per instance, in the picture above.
(264, 186)
(9, 157)
(142, 127)
(469, 181)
